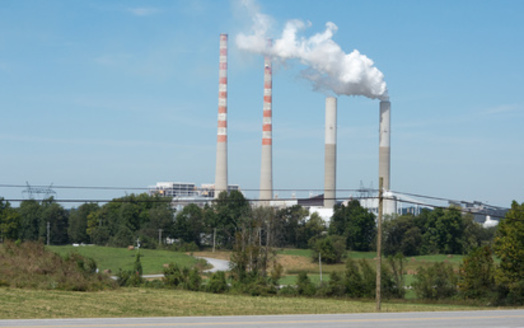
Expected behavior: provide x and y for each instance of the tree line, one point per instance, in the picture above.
(253, 234)
(151, 219)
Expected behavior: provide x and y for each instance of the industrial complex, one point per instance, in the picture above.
(185, 193)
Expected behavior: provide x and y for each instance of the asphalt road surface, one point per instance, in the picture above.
(218, 265)
(498, 318)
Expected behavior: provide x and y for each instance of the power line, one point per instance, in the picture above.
(320, 190)
(213, 200)
(174, 200)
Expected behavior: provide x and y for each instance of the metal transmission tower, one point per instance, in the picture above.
(40, 190)
(365, 193)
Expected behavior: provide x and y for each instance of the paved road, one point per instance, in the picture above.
(503, 318)
(218, 265)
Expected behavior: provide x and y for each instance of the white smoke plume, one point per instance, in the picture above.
(328, 66)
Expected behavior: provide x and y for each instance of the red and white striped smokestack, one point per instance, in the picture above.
(330, 155)
(266, 171)
(221, 163)
(384, 152)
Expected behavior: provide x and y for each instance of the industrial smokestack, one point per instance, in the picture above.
(221, 163)
(266, 171)
(330, 159)
(384, 152)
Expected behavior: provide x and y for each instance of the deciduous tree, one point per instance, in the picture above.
(509, 247)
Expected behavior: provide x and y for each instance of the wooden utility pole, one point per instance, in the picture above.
(379, 242)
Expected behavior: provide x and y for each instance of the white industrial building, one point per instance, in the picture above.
(184, 193)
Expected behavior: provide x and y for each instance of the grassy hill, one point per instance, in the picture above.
(113, 258)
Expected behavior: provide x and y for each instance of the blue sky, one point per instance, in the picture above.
(124, 94)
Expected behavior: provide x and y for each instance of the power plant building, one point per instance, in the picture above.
(187, 191)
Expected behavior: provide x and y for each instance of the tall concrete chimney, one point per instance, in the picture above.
(384, 151)
(266, 171)
(221, 163)
(330, 156)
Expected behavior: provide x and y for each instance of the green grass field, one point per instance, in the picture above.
(121, 258)
(140, 302)
(294, 251)
(153, 260)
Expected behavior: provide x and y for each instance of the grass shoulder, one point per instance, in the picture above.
(146, 302)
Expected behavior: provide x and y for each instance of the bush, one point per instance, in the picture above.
(173, 275)
(129, 278)
(512, 294)
(85, 264)
(509, 247)
(435, 282)
(184, 247)
(334, 287)
(194, 280)
(217, 283)
(287, 291)
(137, 266)
(30, 265)
(353, 282)
(304, 286)
(477, 274)
(332, 248)
(360, 280)
(396, 264)
(182, 278)
(276, 273)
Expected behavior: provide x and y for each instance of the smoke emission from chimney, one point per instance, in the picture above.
(328, 66)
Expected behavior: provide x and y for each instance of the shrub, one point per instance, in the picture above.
(353, 282)
(30, 265)
(137, 266)
(334, 287)
(435, 282)
(360, 280)
(477, 274)
(304, 286)
(194, 280)
(217, 283)
(173, 275)
(276, 273)
(332, 248)
(182, 246)
(396, 264)
(85, 264)
(129, 278)
(288, 291)
(182, 278)
(509, 247)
